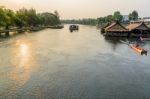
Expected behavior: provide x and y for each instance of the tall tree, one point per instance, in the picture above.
(21, 18)
(109, 18)
(2, 16)
(134, 16)
(6, 17)
(57, 19)
(57, 14)
(32, 19)
(117, 16)
(9, 19)
(100, 20)
(49, 19)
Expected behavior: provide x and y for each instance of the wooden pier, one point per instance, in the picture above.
(7, 32)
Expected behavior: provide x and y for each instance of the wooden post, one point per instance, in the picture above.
(7, 31)
(7, 34)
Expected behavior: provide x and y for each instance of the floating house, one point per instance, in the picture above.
(137, 29)
(117, 30)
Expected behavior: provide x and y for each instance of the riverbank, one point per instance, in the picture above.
(6, 33)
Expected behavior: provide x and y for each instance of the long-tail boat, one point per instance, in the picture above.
(138, 49)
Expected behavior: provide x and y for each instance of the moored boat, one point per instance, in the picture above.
(56, 27)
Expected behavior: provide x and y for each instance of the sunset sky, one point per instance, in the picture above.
(70, 9)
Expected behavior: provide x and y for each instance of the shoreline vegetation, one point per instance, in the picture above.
(86, 21)
(24, 20)
(102, 21)
(27, 20)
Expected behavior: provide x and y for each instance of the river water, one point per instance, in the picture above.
(57, 64)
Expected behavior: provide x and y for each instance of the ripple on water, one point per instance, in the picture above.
(53, 64)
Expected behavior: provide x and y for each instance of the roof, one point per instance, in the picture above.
(116, 27)
(106, 25)
(139, 26)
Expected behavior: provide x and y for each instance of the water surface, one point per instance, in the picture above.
(57, 64)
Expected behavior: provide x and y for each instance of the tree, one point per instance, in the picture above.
(6, 17)
(9, 19)
(49, 19)
(57, 14)
(109, 18)
(2, 16)
(27, 17)
(57, 19)
(21, 18)
(117, 16)
(134, 16)
(32, 19)
(100, 20)
(85, 21)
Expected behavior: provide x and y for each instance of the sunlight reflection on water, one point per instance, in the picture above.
(25, 64)
(54, 64)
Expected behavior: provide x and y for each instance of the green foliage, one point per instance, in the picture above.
(2, 16)
(134, 16)
(48, 19)
(88, 21)
(25, 17)
(6, 17)
(117, 16)
(20, 19)
(32, 19)
(100, 20)
(109, 18)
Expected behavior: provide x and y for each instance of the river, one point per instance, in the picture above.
(57, 64)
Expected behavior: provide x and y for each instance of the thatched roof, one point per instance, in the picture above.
(116, 27)
(137, 26)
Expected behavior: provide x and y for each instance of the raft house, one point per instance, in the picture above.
(138, 29)
(134, 29)
(116, 29)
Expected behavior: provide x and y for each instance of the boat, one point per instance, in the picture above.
(73, 27)
(56, 27)
(138, 49)
(135, 47)
(144, 39)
